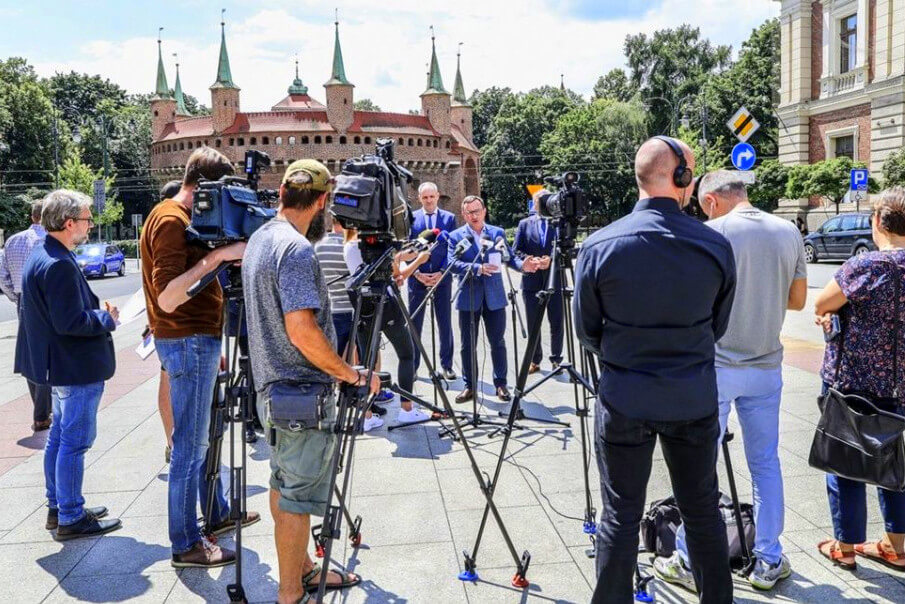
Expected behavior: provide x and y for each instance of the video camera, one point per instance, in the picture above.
(567, 206)
(232, 208)
(369, 196)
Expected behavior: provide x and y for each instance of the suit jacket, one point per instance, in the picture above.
(479, 290)
(64, 339)
(446, 222)
(528, 243)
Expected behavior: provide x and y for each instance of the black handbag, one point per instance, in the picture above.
(297, 406)
(855, 438)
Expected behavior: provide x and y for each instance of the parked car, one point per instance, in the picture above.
(99, 259)
(840, 238)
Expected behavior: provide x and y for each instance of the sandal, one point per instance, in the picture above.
(310, 584)
(835, 555)
(886, 557)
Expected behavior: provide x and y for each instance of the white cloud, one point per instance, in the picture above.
(386, 46)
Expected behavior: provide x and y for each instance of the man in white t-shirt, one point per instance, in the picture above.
(772, 277)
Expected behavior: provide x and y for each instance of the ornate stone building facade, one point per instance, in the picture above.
(435, 145)
(842, 89)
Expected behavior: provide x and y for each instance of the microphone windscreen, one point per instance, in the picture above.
(429, 235)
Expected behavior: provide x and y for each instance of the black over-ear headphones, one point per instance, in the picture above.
(681, 176)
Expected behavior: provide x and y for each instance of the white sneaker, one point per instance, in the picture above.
(409, 417)
(372, 423)
(674, 571)
(765, 576)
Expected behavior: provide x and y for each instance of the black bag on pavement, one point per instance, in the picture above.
(736, 555)
(856, 437)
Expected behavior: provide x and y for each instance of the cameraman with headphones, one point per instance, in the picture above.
(653, 292)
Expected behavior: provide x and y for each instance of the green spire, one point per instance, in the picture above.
(434, 81)
(163, 90)
(339, 71)
(224, 75)
(459, 88)
(297, 86)
(180, 100)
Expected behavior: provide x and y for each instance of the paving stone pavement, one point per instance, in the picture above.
(417, 494)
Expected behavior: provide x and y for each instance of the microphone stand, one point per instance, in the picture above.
(516, 314)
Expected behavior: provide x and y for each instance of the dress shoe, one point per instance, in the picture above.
(533, 368)
(204, 554)
(42, 425)
(465, 396)
(88, 526)
(449, 374)
(229, 524)
(502, 393)
(53, 516)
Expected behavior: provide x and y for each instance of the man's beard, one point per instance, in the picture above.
(318, 227)
(79, 240)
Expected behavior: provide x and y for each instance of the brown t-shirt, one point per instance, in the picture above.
(165, 254)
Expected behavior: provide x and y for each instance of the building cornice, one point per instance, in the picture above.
(845, 101)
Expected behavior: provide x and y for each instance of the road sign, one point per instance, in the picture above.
(859, 179)
(100, 196)
(136, 220)
(743, 125)
(743, 156)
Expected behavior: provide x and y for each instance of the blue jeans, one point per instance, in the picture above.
(756, 393)
(192, 364)
(848, 506)
(71, 435)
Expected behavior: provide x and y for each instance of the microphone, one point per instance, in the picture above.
(502, 248)
(462, 246)
(423, 241)
(486, 243)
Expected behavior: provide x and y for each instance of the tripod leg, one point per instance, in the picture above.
(747, 561)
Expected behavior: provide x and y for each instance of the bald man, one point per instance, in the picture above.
(653, 292)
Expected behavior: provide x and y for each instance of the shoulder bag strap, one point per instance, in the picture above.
(897, 320)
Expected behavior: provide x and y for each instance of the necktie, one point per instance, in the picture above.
(430, 221)
(543, 233)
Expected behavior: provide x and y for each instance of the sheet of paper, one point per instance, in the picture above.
(495, 258)
(146, 347)
(134, 308)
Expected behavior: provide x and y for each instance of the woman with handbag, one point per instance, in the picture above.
(861, 312)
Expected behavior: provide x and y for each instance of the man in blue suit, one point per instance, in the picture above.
(534, 239)
(68, 347)
(483, 295)
(428, 274)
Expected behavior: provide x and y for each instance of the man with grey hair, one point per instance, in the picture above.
(69, 348)
(771, 278)
(428, 275)
(18, 248)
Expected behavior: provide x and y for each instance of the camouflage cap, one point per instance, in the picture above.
(319, 179)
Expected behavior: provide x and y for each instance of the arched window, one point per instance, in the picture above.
(329, 140)
(304, 140)
(278, 140)
(265, 140)
(435, 143)
(241, 142)
(217, 143)
(198, 143)
(448, 145)
(168, 148)
(357, 140)
(291, 140)
(317, 140)
(411, 142)
(155, 113)
(232, 142)
(253, 141)
(225, 104)
(401, 142)
(182, 146)
(342, 140)
(419, 142)
(368, 140)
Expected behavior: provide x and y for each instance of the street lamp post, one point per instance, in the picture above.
(685, 121)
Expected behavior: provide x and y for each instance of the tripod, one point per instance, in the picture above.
(374, 283)
(560, 262)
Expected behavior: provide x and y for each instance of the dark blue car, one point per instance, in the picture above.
(100, 259)
(840, 238)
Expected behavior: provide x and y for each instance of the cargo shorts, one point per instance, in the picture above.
(300, 467)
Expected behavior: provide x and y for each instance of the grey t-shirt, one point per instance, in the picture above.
(280, 274)
(769, 255)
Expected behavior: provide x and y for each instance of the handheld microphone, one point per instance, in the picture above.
(462, 246)
(423, 241)
(486, 243)
(502, 248)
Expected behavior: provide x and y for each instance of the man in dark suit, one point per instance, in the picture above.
(69, 347)
(483, 295)
(534, 239)
(430, 216)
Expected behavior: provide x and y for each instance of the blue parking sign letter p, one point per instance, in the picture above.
(859, 179)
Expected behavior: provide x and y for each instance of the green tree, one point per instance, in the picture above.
(599, 141)
(716, 158)
(828, 180)
(894, 169)
(616, 86)
(365, 105)
(485, 105)
(769, 186)
(15, 210)
(77, 95)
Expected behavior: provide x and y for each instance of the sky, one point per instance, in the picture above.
(386, 44)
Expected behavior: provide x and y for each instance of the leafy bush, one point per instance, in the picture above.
(128, 246)
(894, 169)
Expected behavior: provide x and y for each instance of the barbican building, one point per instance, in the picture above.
(435, 146)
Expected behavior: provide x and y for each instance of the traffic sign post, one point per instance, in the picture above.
(860, 178)
(743, 125)
(100, 201)
(137, 220)
(743, 156)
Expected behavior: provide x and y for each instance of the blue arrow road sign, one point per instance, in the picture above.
(743, 156)
(859, 179)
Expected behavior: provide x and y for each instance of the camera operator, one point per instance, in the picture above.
(534, 239)
(293, 342)
(653, 292)
(187, 333)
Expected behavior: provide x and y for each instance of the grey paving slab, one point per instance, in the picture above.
(411, 518)
(375, 476)
(145, 587)
(882, 589)
(554, 583)
(461, 490)
(31, 571)
(19, 503)
(142, 545)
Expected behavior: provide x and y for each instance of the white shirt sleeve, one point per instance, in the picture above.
(352, 256)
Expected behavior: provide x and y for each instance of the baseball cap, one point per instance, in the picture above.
(321, 179)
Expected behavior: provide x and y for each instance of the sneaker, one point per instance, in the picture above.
(764, 576)
(204, 554)
(372, 423)
(448, 374)
(673, 570)
(384, 396)
(410, 417)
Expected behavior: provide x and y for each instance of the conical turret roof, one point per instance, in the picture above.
(338, 74)
(224, 74)
(434, 79)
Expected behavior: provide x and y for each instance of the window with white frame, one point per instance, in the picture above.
(848, 43)
(844, 146)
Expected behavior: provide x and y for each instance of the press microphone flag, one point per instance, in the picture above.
(423, 241)
(463, 246)
(502, 248)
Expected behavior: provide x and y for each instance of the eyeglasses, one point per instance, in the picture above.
(473, 212)
(90, 220)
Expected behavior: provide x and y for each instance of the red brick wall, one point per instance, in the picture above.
(820, 124)
(816, 48)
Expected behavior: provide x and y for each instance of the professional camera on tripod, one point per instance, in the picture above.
(567, 207)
